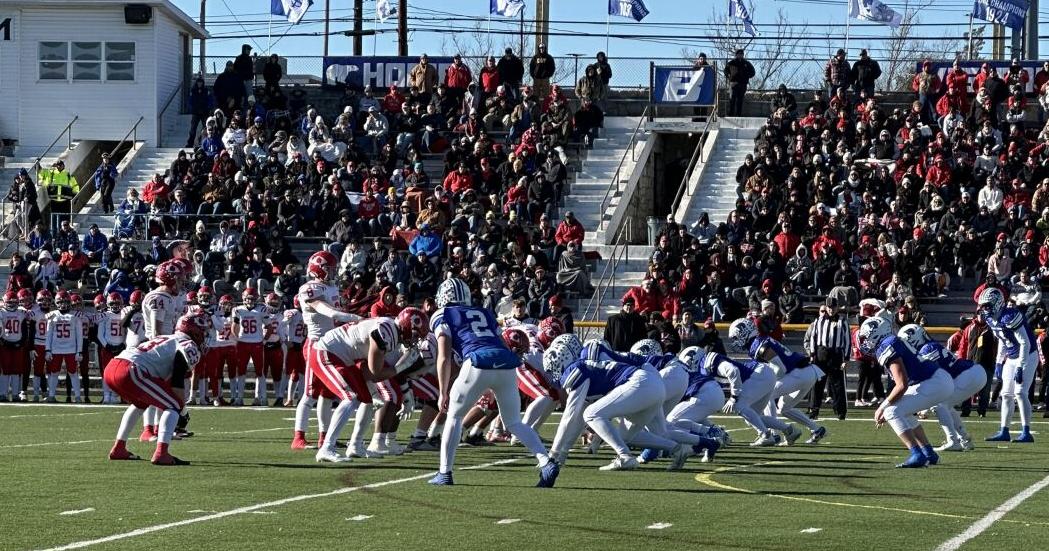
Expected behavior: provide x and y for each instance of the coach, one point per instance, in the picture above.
(828, 342)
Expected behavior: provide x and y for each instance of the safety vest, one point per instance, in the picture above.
(61, 185)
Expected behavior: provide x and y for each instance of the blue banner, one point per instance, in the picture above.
(1010, 13)
(684, 85)
(973, 68)
(379, 71)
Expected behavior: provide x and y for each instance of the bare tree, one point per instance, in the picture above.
(476, 43)
(905, 48)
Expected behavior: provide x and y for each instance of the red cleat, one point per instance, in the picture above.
(120, 453)
(299, 442)
(149, 433)
(167, 460)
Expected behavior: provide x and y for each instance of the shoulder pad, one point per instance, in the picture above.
(1012, 318)
(189, 351)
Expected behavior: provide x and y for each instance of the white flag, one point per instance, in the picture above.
(874, 10)
(294, 10)
(506, 8)
(384, 10)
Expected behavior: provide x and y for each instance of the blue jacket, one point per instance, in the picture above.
(103, 173)
(119, 284)
(426, 243)
(94, 244)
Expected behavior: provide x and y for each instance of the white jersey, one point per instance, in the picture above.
(296, 328)
(39, 319)
(64, 333)
(276, 329)
(158, 310)
(111, 331)
(252, 323)
(351, 342)
(11, 325)
(136, 326)
(317, 324)
(157, 356)
(87, 320)
(181, 304)
(534, 356)
(221, 334)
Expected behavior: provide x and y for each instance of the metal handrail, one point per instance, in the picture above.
(160, 116)
(615, 177)
(133, 134)
(68, 130)
(620, 254)
(697, 157)
(87, 191)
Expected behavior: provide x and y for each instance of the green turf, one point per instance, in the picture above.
(747, 499)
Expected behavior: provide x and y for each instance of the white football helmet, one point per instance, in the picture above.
(741, 332)
(871, 332)
(453, 292)
(690, 357)
(592, 349)
(914, 335)
(562, 352)
(991, 302)
(647, 347)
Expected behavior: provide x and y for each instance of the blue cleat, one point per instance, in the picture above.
(930, 455)
(916, 460)
(1024, 438)
(548, 475)
(1002, 436)
(819, 434)
(648, 455)
(708, 445)
(442, 479)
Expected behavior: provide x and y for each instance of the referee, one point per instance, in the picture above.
(828, 342)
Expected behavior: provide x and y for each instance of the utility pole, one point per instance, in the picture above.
(997, 42)
(402, 27)
(542, 24)
(358, 26)
(203, 61)
(327, 20)
(1031, 31)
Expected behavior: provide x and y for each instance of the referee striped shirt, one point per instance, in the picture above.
(829, 332)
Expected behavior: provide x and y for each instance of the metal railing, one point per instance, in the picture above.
(67, 132)
(695, 160)
(611, 191)
(160, 116)
(87, 191)
(134, 226)
(15, 226)
(620, 255)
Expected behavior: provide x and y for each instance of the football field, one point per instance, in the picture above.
(246, 489)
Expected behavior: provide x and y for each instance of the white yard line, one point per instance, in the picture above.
(39, 444)
(984, 523)
(258, 507)
(50, 415)
(77, 511)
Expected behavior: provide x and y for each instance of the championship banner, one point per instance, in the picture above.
(684, 85)
(1010, 13)
(379, 71)
(973, 67)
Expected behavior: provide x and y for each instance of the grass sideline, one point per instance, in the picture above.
(842, 494)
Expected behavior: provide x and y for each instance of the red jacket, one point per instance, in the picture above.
(458, 77)
(458, 183)
(568, 232)
(154, 190)
(369, 208)
(787, 242)
(382, 309)
(644, 302)
(489, 79)
(938, 177)
(959, 78)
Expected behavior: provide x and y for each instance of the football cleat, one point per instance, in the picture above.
(149, 434)
(167, 460)
(967, 445)
(817, 435)
(421, 445)
(950, 446)
(621, 464)
(1024, 438)
(442, 479)
(325, 455)
(475, 440)
(379, 449)
(395, 448)
(931, 456)
(1001, 436)
(707, 448)
(648, 455)
(763, 440)
(299, 442)
(916, 460)
(359, 451)
(122, 454)
(547, 474)
(678, 456)
(791, 436)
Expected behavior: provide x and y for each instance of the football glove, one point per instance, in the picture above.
(730, 406)
(407, 407)
(997, 377)
(1019, 378)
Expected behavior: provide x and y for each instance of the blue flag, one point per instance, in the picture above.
(634, 9)
(294, 10)
(1010, 13)
(736, 10)
(506, 8)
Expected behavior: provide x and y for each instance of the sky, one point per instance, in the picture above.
(670, 26)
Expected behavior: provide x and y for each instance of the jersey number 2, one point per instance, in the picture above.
(478, 324)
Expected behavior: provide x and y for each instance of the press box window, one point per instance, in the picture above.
(87, 61)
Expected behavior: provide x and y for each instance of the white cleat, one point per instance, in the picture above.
(791, 436)
(967, 444)
(951, 446)
(705, 456)
(764, 440)
(593, 446)
(395, 448)
(379, 448)
(360, 452)
(678, 456)
(325, 455)
(621, 464)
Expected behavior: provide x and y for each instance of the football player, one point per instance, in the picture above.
(1016, 363)
(273, 351)
(249, 324)
(294, 363)
(38, 316)
(222, 350)
(111, 338)
(12, 323)
(159, 313)
(64, 345)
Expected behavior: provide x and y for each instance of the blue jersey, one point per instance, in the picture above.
(475, 336)
(938, 354)
(712, 361)
(702, 376)
(791, 360)
(603, 376)
(1013, 333)
(659, 361)
(893, 348)
(595, 351)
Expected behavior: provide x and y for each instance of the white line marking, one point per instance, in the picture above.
(659, 526)
(77, 512)
(984, 523)
(359, 518)
(259, 507)
(51, 415)
(201, 511)
(811, 530)
(508, 521)
(264, 512)
(38, 444)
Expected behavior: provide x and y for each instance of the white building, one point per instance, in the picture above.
(107, 62)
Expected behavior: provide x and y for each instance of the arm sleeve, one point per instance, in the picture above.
(571, 425)
(730, 372)
(179, 371)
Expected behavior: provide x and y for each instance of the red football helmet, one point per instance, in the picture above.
(75, 300)
(11, 301)
(273, 300)
(250, 297)
(413, 323)
(295, 302)
(205, 296)
(322, 265)
(25, 298)
(136, 298)
(549, 329)
(184, 264)
(62, 301)
(191, 297)
(44, 298)
(115, 302)
(226, 302)
(195, 325)
(100, 302)
(168, 274)
(516, 340)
